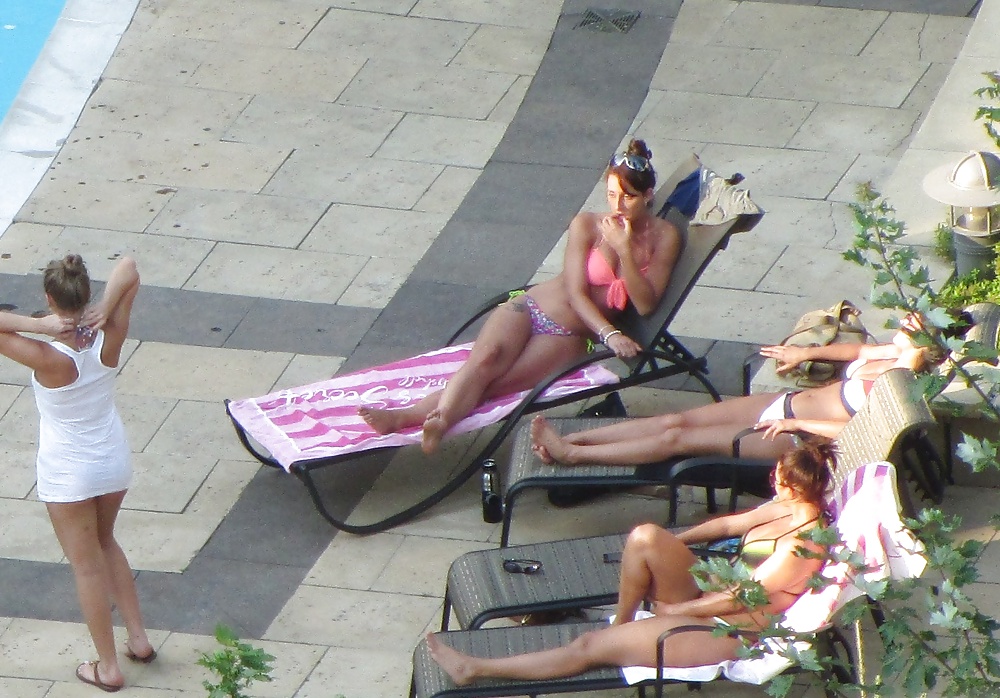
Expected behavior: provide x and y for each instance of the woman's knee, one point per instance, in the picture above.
(645, 538)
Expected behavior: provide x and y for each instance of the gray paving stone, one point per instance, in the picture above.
(301, 328)
(38, 590)
(956, 8)
(187, 317)
(468, 254)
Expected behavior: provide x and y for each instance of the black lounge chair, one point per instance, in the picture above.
(892, 425)
(663, 356)
(867, 492)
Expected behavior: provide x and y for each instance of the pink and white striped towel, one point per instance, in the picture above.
(321, 420)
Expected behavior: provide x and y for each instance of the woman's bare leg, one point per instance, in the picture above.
(631, 644)
(76, 526)
(637, 441)
(392, 420)
(655, 567)
(122, 582)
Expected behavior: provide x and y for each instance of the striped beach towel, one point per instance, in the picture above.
(321, 420)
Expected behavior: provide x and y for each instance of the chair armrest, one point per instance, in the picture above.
(751, 364)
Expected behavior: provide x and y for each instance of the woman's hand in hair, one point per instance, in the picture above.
(55, 326)
(95, 316)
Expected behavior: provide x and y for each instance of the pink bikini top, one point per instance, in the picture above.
(600, 273)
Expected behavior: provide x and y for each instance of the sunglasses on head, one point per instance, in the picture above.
(634, 162)
(522, 566)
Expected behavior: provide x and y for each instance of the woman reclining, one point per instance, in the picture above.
(656, 568)
(710, 430)
(624, 255)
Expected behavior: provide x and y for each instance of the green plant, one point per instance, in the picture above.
(990, 115)
(935, 636)
(971, 288)
(943, 246)
(237, 665)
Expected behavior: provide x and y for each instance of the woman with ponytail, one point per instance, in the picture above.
(656, 569)
(83, 464)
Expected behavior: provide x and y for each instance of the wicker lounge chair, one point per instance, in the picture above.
(892, 425)
(663, 356)
(861, 507)
(576, 576)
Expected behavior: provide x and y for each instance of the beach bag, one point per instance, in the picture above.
(838, 324)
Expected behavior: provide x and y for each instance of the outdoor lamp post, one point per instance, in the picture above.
(971, 189)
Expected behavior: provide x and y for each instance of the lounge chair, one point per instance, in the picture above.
(892, 425)
(862, 507)
(576, 575)
(298, 430)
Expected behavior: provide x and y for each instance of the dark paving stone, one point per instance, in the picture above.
(472, 259)
(423, 314)
(22, 294)
(954, 8)
(544, 197)
(38, 590)
(186, 317)
(301, 328)
(273, 522)
(242, 595)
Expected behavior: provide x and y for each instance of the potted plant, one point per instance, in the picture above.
(237, 665)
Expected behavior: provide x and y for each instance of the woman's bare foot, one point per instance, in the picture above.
(434, 429)
(546, 442)
(455, 664)
(384, 421)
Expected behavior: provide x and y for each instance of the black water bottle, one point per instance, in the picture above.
(492, 501)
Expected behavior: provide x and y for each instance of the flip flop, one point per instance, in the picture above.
(132, 656)
(96, 681)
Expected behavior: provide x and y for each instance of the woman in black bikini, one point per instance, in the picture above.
(655, 568)
(711, 429)
(611, 258)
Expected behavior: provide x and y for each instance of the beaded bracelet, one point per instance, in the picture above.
(609, 335)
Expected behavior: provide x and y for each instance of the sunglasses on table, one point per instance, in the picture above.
(634, 162)
(521, 566)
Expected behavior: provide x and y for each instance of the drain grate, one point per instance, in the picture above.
(612, 21)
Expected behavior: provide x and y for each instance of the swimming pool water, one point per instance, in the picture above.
(24, 27)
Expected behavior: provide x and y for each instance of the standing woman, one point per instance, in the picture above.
(624, 255)
(83, 464)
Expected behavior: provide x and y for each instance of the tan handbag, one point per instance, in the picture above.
(838, 324)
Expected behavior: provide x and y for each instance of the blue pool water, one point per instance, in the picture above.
(24, 27)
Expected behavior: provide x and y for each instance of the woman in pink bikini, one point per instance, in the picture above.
(612, 258)
(711, 429)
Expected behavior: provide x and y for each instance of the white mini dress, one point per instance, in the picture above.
(82, 449)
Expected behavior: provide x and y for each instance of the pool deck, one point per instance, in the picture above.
(306, 185)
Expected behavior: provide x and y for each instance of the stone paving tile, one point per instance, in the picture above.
(27, 532)
(737, 120)
(512, 13)
(205, 373)
(810, 76)
(362, 181)
(744, 67)
(171, 261)
(834, 127)
(237, 217)
(383, 672)
(183, 111)
(785, 27)
(250, 270)
(505, 49)
(804, 174)
(93, 201)
(446, 91)
(443, 140)
(282, 73)
(375, 231)
(265, 21)
(194, 427)
(358, 619)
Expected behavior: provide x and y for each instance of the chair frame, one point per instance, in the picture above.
(663, 356)
(893, 417)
